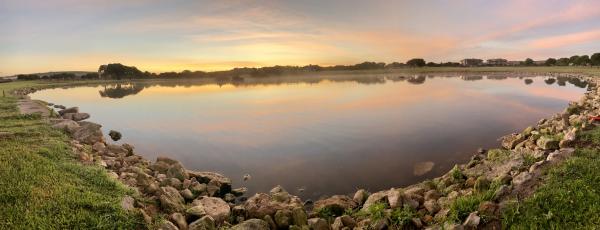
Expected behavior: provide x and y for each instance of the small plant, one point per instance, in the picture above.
(456, 173)
(528, 160)
(400, 217)
(498, 154)
(375, 212)
(326, 213)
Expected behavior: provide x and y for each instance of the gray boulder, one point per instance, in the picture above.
(88, 133)
(337, 204)
(217, 208)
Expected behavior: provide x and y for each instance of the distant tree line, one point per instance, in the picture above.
(119, 71)
(576, 60)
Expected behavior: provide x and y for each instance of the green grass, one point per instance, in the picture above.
(464, 205)
(42, 186)
(569, 197)
(498, 154)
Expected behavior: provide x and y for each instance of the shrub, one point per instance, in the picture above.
(498, 154)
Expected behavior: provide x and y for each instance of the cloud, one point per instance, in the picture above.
(566, 39)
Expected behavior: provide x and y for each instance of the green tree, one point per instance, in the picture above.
(551, 62)
(583, 60)
(595, 59)
(573, 60)
(416, 62)
(562, 62)
(528, 62)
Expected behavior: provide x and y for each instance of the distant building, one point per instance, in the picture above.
(471, 62)
(497, 62)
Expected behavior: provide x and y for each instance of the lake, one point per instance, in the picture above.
(321, 135)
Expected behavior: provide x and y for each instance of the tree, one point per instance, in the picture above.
(551, 62)
(595, 59)
(573, 60)
(528, 62)
(416, 62)
(583, 60)
(562, 62)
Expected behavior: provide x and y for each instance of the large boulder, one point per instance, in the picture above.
(215, 207)
(252, 224)
(337, 204)
(76, 116)
(171, 200)
(88, 133)
(375, 198)
(547, 143)
(69, 110)
(262, 204)
(68, 126)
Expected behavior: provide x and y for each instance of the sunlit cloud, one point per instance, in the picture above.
(216, 35)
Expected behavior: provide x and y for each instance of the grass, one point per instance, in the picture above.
(569, 197)
(42, 186)
(498, 154)
(464, 205)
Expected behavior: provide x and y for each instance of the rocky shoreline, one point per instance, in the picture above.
(188, 199)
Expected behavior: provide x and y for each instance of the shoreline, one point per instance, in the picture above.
(156, 180)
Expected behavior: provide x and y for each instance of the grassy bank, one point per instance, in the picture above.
(42, 186)
(570, 196)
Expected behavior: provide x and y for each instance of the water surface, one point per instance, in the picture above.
(323, 135)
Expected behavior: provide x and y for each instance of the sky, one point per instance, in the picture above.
(175, 35)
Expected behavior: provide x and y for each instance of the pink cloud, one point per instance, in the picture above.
(566, 40)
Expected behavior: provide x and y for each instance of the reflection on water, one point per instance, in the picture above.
(327, 135)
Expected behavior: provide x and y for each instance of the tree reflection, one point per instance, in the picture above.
(416, 80)
(550, 81)
(121, 90)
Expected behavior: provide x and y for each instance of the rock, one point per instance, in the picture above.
(432, 206)
(219, 180)
(114, 135)
(488, 208)
(452, 226)
(270, 222)
(432, 195)
(481, 184)
(299, 217)
(76, 116)
(375, 198)
(337, 204)
(167, 225)
(568, 139)
(88, 133)
(262, 204)
(171, 200)
(472, 220)
(252, 224)
(318, 224)
(283, 218)
(218, 209)
(337, 224)
(360, 196)
(127, 203)
(547, 143)
(99, 147)
(239, 191)
(187, 194)
(421, 168)
(394, 198)
(69, 110)
(247, 177)
(198, 188)
(197, 210)
(522, 178)
(204, 223)
(348, 221)
(229, 197)
(177, 171)
(502, 191)
(179, 220)
(68, 126)
(536, 166)
(510, 141)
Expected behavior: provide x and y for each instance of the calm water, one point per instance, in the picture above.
(326, 135)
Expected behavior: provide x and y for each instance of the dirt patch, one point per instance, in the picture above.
(28, 106)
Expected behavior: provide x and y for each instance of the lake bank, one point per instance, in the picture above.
(389, 199)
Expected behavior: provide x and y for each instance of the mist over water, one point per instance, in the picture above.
(323, 134)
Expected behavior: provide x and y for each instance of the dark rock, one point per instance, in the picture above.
(114, 135)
